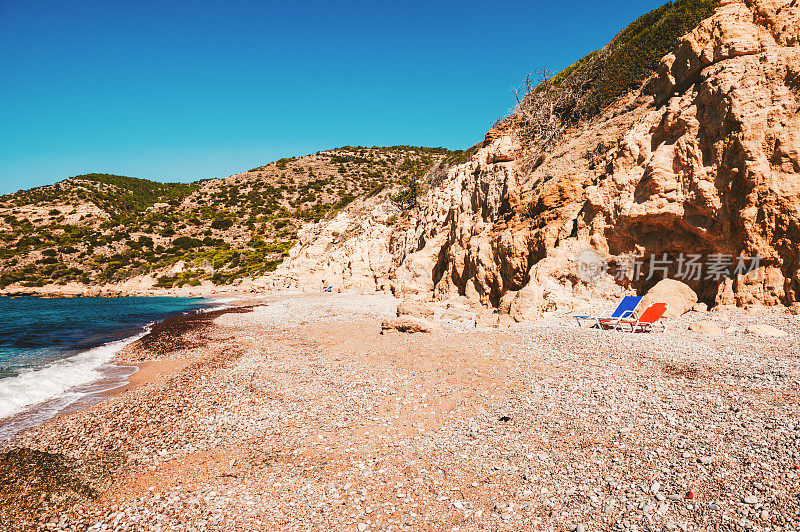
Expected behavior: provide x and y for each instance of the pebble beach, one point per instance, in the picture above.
(295, 413)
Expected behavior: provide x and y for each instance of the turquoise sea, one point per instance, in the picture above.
(56, 352)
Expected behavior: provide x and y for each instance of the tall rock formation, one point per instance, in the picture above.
(704, 159)
(349, 251)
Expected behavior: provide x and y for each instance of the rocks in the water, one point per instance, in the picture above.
(706, 327)
(679, 296)
(765, 330)
(407, 324)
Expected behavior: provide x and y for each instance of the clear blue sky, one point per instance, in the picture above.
(176, 90)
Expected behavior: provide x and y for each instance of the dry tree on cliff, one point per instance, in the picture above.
(545, 109)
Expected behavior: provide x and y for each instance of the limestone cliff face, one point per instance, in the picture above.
(704, 159)
(347, 252)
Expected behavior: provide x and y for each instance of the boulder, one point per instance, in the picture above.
(459, 314)
(765, 330)
(706, 327)
(505, 302)
(414, 308)
(700, 307)
(487, 320)
(679, 296)
(527, 304)
(754, 310)
(407, 324)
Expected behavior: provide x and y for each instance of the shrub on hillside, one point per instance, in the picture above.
(222, 224)
(185, 242)
(548, 105)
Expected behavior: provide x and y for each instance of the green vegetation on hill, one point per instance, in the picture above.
(587, 87)
(131, 195)
(103, 228)
(119, 194)
(634, 54)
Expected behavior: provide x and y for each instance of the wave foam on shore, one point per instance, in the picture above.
(60, 379)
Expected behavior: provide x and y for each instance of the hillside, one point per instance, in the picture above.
(101, 229)
(678, 138)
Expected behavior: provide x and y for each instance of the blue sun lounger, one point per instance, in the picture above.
(626, 309)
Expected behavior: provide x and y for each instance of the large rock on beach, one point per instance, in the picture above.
(765, 330)
(414, 308)
(458, 313)
(679, 296)
(408, 324)
(706, 327)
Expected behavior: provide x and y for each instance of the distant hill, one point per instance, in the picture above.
(97, 229)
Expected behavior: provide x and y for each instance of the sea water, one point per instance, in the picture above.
(55, 352)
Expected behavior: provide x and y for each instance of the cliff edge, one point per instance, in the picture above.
(702, 159)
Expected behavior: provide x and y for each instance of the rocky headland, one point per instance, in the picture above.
(703, 158)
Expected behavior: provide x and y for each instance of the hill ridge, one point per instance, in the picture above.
(105, 229)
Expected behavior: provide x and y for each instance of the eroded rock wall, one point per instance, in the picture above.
(350, 251)
(704, 159)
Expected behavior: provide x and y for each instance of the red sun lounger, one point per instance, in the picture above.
(650, 320)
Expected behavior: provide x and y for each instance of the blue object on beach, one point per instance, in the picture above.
(626, 309)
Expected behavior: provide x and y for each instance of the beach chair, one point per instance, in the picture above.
(650, 320)
(626, 309)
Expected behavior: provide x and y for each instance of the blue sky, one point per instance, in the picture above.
(179, 90)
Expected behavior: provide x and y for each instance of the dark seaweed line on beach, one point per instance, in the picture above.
(37, 485)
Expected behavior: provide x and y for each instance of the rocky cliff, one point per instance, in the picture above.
(703, 158)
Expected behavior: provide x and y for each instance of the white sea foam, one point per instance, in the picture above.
(219, 300)
(213, 309)
(59, 379)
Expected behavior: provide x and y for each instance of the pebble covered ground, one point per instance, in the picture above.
(300, 415)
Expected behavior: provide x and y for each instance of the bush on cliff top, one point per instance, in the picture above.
(635, 53)
(598, 79)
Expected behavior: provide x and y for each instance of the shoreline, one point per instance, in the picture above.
(112, 291)
(144, 355)
(299, 414)
(153, 370)
(118, 375)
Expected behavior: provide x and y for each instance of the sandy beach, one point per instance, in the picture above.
(297, 414)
